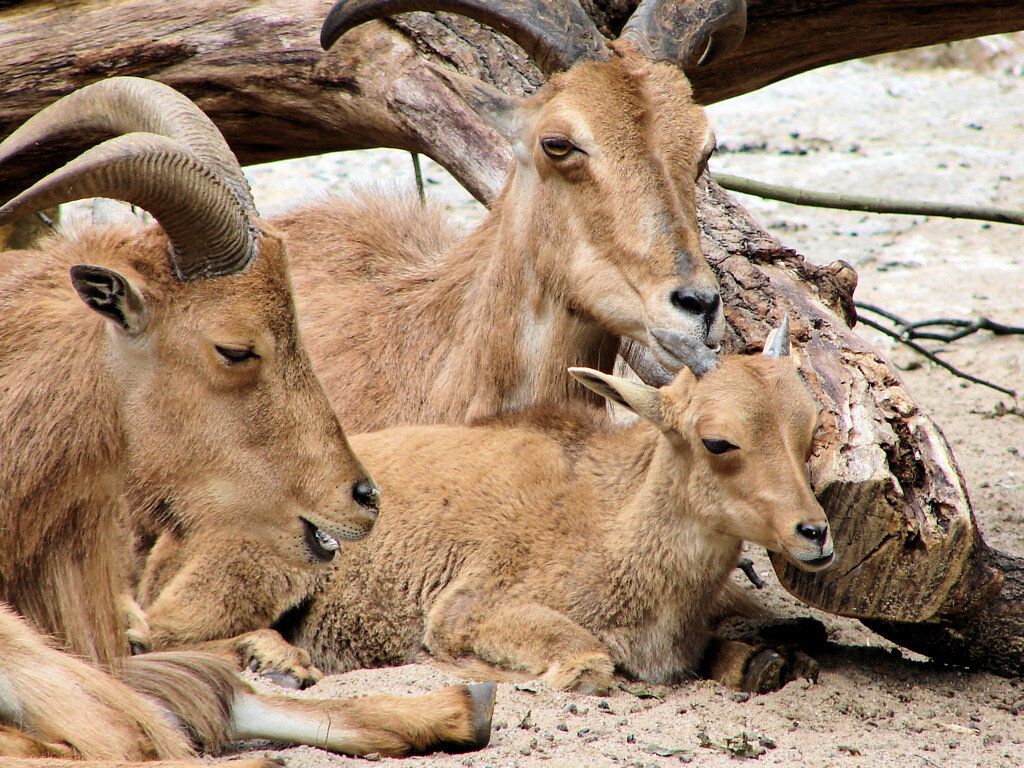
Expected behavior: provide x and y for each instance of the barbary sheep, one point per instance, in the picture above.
(555, 543)
(169, 358)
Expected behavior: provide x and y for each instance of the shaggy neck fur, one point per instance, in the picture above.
(63, 447)
(506, 299)
(664, 565)
(442, 303)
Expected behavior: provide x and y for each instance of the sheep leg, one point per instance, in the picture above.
(756, 668)
(50, 762)
(18, 761)
(264, 651)
(453, 719)
(526, 637)
(187, 588)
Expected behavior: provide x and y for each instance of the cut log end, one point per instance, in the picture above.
(990, 638)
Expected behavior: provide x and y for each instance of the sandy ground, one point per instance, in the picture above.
(888, 127)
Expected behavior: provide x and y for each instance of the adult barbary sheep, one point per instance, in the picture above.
(594, 237)
(554, 543)
(170, 358)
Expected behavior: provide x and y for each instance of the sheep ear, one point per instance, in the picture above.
(500, 110)
(641, 399)
(112, 295)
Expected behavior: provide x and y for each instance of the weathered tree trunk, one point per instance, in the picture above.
(256, 68)
(909, 557)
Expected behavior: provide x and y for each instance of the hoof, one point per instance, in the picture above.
(482, 695)
(481, 701)
(802, 666)
(764, 672)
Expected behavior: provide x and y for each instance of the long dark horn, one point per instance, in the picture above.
(125, 105)
(676, 30)
(554, 33)
(210, 232)
(697, 357)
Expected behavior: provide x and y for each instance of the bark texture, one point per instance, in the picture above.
(256, 67)
(909, 556)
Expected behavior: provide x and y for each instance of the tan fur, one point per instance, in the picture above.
(406, 323)
(97, 409)
(248, 448)
(556, 544)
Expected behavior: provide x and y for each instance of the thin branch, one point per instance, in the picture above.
(967, 327)
(867, 203)
(931, 356)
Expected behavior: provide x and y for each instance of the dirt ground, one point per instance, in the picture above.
(898, 127)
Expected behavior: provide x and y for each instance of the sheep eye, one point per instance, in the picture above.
(234, 355)
(557, 148)
(718, 446)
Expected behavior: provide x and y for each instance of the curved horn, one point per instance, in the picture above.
(675, 30)
(554, 33)
(697, 357)
(209, 230)
(777, 343)
(126, 105)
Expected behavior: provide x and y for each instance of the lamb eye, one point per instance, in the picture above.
(718, 446)
(556, 147)
(236, 355)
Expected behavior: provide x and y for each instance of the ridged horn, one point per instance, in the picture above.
(676, 30)
(554, 33)
(209, 230)
(123, 105)
(697, 357)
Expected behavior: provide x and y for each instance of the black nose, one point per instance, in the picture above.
(366, 494)
(816, 532)
(702, 303)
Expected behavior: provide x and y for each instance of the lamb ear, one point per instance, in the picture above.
(112, 295)
(498, 109)
(777, 343)
(641, 399)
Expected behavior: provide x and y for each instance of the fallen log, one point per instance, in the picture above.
(256, 67)
(910, 560)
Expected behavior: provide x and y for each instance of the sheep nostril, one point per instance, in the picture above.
(366, 494)
(816, 532)
(704, 304)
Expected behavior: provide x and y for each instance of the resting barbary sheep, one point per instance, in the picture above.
(168, 357)
(557, 544)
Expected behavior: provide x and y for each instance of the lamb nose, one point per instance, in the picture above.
(816, 532)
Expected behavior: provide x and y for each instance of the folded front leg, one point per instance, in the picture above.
(264, 651)
(520, 637)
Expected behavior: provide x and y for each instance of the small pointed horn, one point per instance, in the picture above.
(554, 33)
(210, 233)
(697, 357)
(777, 343)
(123, 105)
(676, 30)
